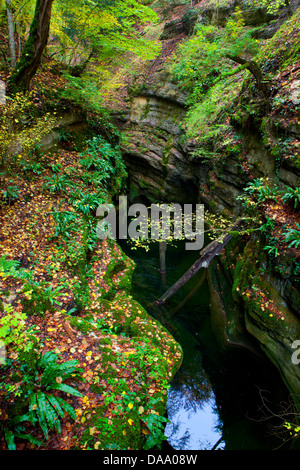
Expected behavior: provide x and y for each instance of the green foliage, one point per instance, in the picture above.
(31, 167)
(292, 195)
(271, 6)
(156, 425)
(41, 374)
(100, 30)
(282, 50)
(12, 329)
(21, 129)
(66, 222)
(256, 193)
(292, 237)
(107, 161)
(38, 296)
(84, 92)
(57, 183)
(261, 190)
(202, 59)
(204, 64)
(10, 194)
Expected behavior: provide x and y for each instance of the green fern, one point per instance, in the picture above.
(292, 237)
(45, 409)
(292, 195)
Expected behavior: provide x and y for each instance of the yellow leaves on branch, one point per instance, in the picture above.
(20, 130)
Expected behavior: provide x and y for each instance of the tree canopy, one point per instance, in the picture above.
(77, 31)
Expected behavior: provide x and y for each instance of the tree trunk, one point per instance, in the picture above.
(19, 30)
(254, 69)
(11, 35)
(33, 49)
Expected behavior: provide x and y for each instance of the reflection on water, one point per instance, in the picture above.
(191, 408)
(192, 429)
(207, 406)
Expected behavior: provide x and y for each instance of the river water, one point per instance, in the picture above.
(214, 399)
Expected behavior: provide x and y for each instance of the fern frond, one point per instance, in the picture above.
(47, 359)
(68, 408)
(10, 439)
(41, 412)
(67, 389)
(56, 405)
(30, 438)
(50, 373)
(51, 415)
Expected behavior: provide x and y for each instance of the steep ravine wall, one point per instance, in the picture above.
(162, 169)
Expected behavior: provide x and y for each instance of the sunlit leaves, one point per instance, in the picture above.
(21, 129)
(106, 27)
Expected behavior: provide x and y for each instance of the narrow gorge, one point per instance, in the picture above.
(164, 102)
(255, 298)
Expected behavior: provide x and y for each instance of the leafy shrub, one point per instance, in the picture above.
(57, 183)
(16, 136)
(34, 167)
(292, 195)
(65, 222)
(38, 297)
(292, 237)
(55, 167)
(257, 192)
(207, 65)
(85, 202)
(156, 425)
(11, 194)
(262, 190)
(12, 329)
(40, 375)
(106, 160)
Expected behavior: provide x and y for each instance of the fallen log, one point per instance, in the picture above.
(206, 255)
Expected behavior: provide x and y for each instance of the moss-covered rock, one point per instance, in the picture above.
(137, 359)
(256, 310)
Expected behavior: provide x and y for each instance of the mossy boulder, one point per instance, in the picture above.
(137, 359)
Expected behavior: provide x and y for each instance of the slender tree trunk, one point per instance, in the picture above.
(11, 35)
(19, 31)
(33, 50)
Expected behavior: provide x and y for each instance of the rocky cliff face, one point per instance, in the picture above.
(256, 302)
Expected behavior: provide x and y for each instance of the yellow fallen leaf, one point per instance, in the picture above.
(130, 421)
(130, 406)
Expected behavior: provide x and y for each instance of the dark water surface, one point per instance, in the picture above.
(214, 398)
